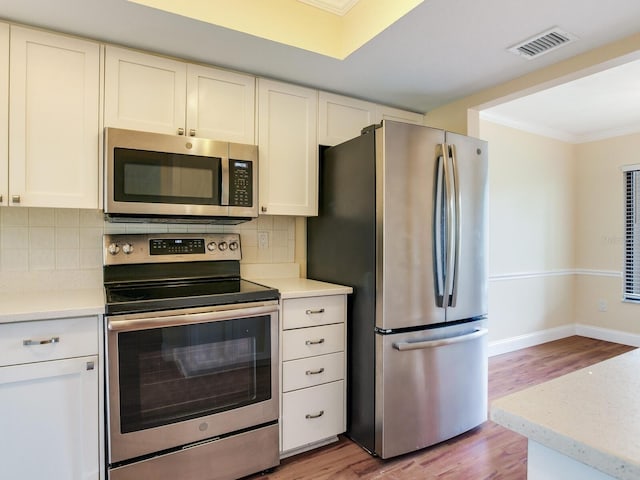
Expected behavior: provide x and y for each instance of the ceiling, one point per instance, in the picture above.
(439, 51)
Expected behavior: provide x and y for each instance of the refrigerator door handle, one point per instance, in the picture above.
(439, 255)
(404, 346)
(450, 224)
(457, 227)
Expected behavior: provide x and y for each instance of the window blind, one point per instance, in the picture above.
(632, 234)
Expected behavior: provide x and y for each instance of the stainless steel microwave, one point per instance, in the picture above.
(168, 178)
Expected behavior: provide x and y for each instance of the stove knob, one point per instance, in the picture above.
(127, 248)
(211, 246)
(113, 249)
(222, 246)
(233, 246)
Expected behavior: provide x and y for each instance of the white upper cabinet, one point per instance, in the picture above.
(288, 149)
(4, 114)
(54, 110)
(389, 113)
(157, 94)
(342, 118)
(220, 104)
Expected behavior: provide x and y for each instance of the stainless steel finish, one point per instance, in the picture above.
(225, 180)
(222, 459)
(309, 416)
(174, 318)
(48, 341)
(115, 137)
(315, 372)
(91, 365)
(314, 312)
(457, 231)
(134, 444)
(180, 131)
(314, 342)
(427, 395)
(139, 248)
(15, 198)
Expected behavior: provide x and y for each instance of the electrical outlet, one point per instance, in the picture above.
(602, 305)
(263, 240)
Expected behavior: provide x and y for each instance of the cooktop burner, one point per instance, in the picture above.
(151, 272)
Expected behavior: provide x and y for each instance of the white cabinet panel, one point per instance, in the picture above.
(311, 414)
(342, 118)
(50, 421)
(389, 113)
(144, 92)
(4, 114)
(288, 148)
(220, 104)
(305, 342)
(53, 120)
(308, 372)
(313, 311)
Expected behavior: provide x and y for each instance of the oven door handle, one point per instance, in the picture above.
(130, 324)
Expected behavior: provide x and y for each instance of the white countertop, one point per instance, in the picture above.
(591, 415)
(22, 306)
(303, 287)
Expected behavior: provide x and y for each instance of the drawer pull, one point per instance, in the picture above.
(28, 343)
(314, 312)
(314, 372)
(314, 342)
(317, 415)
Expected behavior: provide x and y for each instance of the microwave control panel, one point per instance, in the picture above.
(240, 183)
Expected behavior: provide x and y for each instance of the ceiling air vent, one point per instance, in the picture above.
(543, 43)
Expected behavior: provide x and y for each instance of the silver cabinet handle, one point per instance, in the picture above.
(1, 198)
(181, 131)
(314, 342)
(263, 209)
(28, 343)
(314, 312)
(192, 132)
(316, 415)
(314, 372)
(15, 198)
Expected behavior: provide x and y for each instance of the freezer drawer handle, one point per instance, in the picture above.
(314, 372)
(309, 416)
(314, 342)
(48, 341)
(314, 312)
(440, 343)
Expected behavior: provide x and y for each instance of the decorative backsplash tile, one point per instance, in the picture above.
(64, 240)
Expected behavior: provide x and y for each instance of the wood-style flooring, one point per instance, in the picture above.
(487, 452)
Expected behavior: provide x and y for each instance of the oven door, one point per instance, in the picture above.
(178, 377)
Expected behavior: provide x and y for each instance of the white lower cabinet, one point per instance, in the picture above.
(313, 372)
(50, 421)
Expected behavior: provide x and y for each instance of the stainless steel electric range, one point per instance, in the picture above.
(192, 359)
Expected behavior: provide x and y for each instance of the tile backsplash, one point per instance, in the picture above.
(53, 240)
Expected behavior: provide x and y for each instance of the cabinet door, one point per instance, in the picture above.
(144, 92)
(388, 113)
(220, 105)
(342, 118)
(288, 149)
(49, 425)
(4, 114)
(53, 120)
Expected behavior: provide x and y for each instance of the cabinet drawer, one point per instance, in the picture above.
(312, 414)
(37, 341)
(308, 342)
(313, 311)
(308, 372)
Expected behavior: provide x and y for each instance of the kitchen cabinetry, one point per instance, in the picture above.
(313, 371)
(288, 146)
(4, 113)
(53, 120)
(389, 113)
(49, 396)
(342, 118)
(157, 94)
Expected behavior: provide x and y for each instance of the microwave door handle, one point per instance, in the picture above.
(224, 187)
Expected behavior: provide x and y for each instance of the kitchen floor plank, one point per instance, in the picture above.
(487, 452)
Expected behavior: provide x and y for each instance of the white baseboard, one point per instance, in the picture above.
(531, 339)
(608, 335)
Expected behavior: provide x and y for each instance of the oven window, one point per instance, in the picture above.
(173, 374)
(157, 177)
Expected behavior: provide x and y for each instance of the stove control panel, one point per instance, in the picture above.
(120, 249)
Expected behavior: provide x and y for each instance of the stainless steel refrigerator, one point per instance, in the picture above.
(403, 220)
